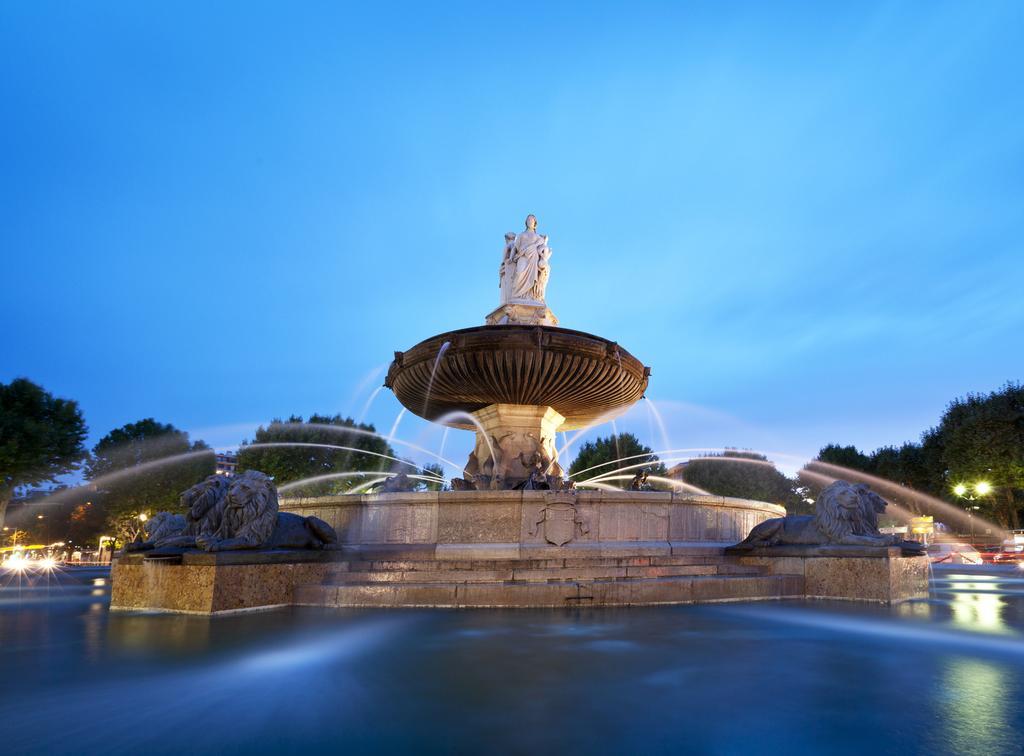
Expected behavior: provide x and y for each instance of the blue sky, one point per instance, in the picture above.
(806, 218)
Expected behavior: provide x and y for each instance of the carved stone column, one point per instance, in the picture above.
(512, 434)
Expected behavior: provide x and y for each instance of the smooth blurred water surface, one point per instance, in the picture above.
(939, 676)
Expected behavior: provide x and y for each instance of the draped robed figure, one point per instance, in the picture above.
(525, 269)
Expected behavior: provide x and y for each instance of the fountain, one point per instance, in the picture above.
(523, 384)
(514, 530)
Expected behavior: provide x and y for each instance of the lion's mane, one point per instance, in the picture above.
(204, 504)
(839, 512)
(250, 510)
(163, 525)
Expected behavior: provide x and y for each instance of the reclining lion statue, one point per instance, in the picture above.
(161, 527)
(845, 514)
(225, 514)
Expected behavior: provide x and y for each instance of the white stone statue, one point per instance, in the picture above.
(507, 271)
(525, 269)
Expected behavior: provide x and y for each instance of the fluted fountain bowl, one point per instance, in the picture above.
(581, 376)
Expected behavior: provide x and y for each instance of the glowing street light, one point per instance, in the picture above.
(981, 488)
(16, 563)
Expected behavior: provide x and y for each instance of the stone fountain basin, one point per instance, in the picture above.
(583, 377)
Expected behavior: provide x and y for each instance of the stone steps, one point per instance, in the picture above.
(552, 593)
(407, 565)
(433, 574)
(703, 563)
(703, 575)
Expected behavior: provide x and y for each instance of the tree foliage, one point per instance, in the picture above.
(612, 453)
(41, 437)
(845, 456)
(311, 456)
(83, 523)
(745, 475)
(980, 437)
(433, 469)
(144, 467)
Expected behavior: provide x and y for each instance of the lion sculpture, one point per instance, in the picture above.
(161, 527)
(845, 514)
(225, 514)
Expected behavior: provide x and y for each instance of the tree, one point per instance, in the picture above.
(144, 467)
(41, 437)
(845, 456)
(745, 475)
(607, 455)
(981, 437)
(433, 469)
(15, 536)
(312, 457)
(903, 466)
(84, 523)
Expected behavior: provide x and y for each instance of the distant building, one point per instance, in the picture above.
(676, 473)
(227, 464)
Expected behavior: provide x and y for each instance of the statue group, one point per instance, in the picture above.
(524, 272)
(516, 461)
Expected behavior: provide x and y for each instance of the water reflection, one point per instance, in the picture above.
(152, 633)
(918, 610)
(975, 717)
(790, 677)
(978, 601)
(979, 611)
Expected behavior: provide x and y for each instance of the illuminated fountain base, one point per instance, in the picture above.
(519, 549)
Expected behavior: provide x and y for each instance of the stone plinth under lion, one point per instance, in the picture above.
(839, 550)
(232, 550)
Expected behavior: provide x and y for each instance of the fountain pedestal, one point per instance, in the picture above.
(510, 438)
(521, 313)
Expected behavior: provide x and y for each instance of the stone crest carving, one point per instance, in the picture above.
(561, 522)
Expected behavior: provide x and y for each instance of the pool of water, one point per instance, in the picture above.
(944, 675)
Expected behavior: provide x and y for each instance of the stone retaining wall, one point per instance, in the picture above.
(533, 524)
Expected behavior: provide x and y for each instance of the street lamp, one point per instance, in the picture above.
(981, 488)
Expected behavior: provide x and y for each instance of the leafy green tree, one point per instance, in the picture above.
(813, 479)
(845, 456)
(433, 469)
(41, 437)
(84, 522)
(143, 467)
(982, 439)
(903, 466)
(612, 453)
(311, 455)
(745, 475)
